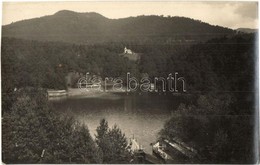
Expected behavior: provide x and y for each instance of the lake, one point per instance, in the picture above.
(141, 115)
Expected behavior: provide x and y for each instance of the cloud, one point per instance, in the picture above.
(247, 10)
(233, 14)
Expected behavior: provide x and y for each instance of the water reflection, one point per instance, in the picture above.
(140, 115)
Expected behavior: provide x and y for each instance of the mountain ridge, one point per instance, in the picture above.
(247, 30)
(92, 27)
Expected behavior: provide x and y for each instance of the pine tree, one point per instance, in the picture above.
(112, 143)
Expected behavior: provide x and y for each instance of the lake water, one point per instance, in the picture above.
(139, 115)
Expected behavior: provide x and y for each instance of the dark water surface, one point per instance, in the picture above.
(141, 115)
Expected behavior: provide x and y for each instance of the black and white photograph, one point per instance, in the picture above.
(129, 82)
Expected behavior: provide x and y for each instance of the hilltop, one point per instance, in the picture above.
(91, 28)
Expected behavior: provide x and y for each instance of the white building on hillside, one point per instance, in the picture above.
(127, 51)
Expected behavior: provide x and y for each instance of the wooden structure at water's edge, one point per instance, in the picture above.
(56, 93)
(174, 151)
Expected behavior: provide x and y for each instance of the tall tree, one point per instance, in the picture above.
(112, 143)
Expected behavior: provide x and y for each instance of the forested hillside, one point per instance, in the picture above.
(91, 28)
(220, 74)
(221, 64)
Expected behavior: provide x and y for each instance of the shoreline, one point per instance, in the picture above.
(83, 93)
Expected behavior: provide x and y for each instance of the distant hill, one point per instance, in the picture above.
(89, 28)
(247, 30)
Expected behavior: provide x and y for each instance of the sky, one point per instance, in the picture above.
(228, 14)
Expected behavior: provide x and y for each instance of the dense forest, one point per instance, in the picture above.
(44, 64)
(219, 122)
(221, 64)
